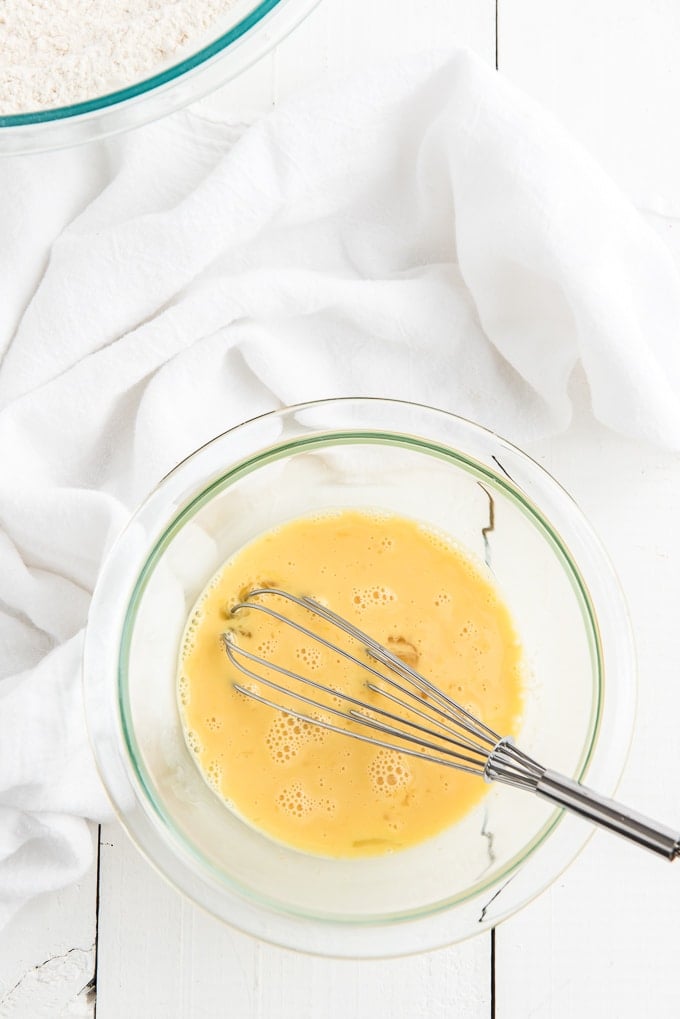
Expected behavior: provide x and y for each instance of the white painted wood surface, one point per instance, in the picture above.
(47, 954)
(605, 938)
(609, 71)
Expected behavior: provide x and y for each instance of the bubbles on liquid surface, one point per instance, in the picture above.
(267, 647)
(192, 627)
(381, 544)
(365, 597)
(297, 803)
(288, 735)
(213, 773)
(193, 742)
(311, 656)
(388, 772)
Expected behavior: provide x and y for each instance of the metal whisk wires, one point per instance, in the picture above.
(445, 732)
(428, 724)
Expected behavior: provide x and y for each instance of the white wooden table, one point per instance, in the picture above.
(606, 938)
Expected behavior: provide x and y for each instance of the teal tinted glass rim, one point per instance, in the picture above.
(241, 470)
(140, 88)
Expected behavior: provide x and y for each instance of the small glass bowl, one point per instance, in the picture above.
(552, 573)
(246, 31)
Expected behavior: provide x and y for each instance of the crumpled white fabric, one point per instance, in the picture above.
(422, 231)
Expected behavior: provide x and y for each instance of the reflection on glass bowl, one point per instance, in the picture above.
(553, 575)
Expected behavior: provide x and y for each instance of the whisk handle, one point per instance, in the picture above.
(609, 814)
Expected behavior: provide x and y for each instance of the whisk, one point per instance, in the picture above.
(428, 724)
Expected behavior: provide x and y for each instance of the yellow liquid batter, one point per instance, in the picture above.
(412, 590)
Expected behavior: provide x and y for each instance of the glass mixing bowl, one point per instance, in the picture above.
(244, 33)
(552, 573)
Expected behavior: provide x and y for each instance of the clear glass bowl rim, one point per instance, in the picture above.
(149, 84)
(483, 890)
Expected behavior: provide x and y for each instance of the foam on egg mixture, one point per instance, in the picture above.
(411, 589)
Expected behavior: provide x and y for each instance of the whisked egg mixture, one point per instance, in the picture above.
(411, 589)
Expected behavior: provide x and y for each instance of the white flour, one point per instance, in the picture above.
(57, 52)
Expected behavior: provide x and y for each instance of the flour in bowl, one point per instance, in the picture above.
(57, 52)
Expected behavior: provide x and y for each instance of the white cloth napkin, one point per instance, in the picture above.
(422, 231)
